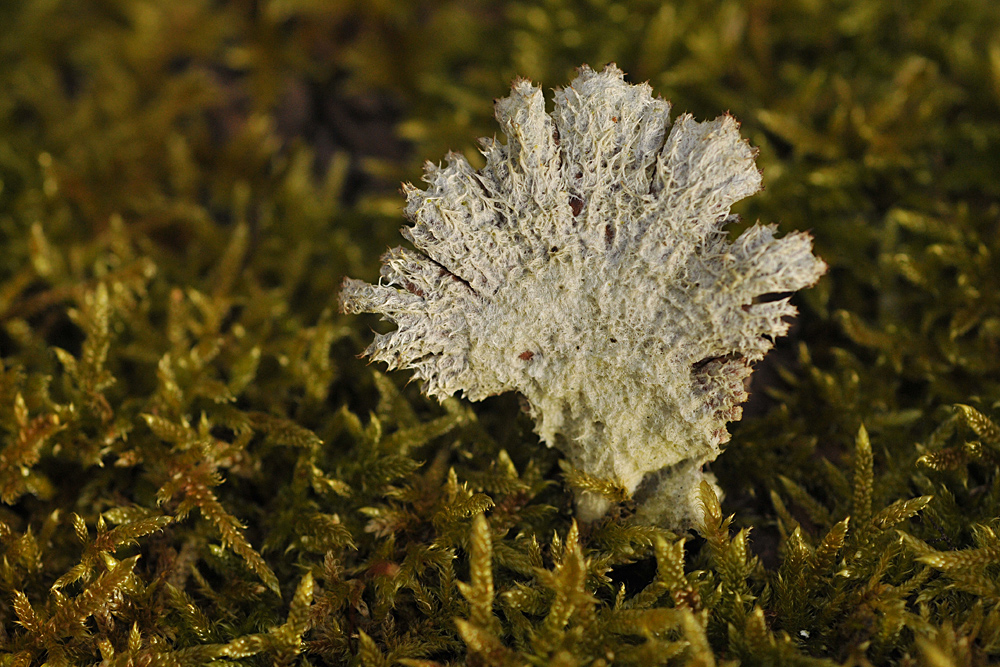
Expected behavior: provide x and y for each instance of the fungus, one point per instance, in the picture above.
(587, 267)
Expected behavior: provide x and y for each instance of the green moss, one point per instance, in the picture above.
(195, 467)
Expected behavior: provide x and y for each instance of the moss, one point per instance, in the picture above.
(195, 467)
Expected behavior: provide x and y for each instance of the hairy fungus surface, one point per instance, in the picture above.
(586, 266)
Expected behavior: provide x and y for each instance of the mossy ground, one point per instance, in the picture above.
(195, 467)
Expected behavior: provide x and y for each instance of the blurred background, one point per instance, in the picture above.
(257, 146)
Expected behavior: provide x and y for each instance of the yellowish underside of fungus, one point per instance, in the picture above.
(587, 267)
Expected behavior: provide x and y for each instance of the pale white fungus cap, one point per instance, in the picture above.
(587, 267)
